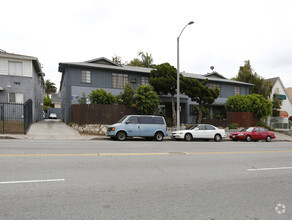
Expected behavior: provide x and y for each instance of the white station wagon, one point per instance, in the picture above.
(200, 131)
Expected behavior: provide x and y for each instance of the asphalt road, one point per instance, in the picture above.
(145, 180)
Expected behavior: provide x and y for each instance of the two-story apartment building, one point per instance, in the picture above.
(227, 88)
(83, 77)
(21, 79)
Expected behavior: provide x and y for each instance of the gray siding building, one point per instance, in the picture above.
(83, 77)
(21, 79)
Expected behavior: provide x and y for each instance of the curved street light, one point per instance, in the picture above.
(178, 89)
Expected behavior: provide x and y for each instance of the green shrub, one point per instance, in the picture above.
(233, 126)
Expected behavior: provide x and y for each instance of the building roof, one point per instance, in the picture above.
(214, 79)
(34, 60)
(214, 74)
(105, 66)
(272, 80)
(102, 60)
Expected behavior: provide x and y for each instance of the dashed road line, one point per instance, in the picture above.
(33, 181)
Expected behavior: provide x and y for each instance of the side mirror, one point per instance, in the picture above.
(127, 122)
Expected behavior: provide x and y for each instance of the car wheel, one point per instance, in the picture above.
(248, 138)
(188, 137)
(158, 136)
(217, 137)
(121, 135)
(268, 139)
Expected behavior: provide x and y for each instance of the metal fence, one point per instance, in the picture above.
(15, 117)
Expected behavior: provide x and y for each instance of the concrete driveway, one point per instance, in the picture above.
(53, 129)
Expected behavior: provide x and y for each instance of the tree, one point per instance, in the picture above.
(146, 100)
(146, 60)
(276, 107)
(164, 80)
(247, 74)
(82, 99)
(127, 96)
(100, 96)
(48, 103)
(259, 105)
(118, 60)
(200, 93)
(50, 87)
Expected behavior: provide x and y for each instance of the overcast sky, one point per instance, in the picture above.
(224, 35)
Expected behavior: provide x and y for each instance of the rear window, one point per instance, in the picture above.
(209, 127)
(158, 120)
(146, 120)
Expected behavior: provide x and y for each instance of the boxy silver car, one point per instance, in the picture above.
(147, 126)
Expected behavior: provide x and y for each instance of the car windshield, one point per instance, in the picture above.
(250, 129)
(122, 119)
(192, 127)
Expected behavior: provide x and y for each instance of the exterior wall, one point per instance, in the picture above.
(227, 90)
(286, 104)
(16, 84)
(30, 85)
(99, 79)
(26, 64)
(289, 91)
(37, 97)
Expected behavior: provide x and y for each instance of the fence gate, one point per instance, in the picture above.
(15, 118)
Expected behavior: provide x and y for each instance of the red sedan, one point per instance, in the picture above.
(253, 134)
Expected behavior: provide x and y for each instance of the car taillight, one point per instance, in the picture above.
(166, 128)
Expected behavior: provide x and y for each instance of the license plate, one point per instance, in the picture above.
(233, 136)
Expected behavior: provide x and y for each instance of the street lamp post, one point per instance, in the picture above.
(177, 88)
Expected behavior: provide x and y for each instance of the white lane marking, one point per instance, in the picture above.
(33, 181)
(265, 169)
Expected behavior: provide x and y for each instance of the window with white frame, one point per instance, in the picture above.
(236, 90)
(15, 97)
(15, 68)
(119, 80)
(85, 76)
(145, 80)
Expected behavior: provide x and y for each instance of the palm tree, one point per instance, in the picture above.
(50, 87)
(146, 59)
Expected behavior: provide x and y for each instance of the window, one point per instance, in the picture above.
(236, 90)
(209, 127)
(15, 98)
(158, 120)
(214, 86)
(201, 127)
(133, 120)
(263, 130)
(145, 80)
(85, 76)
(146, 120)
(15, 68)
(119, 80)
(257, 130)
